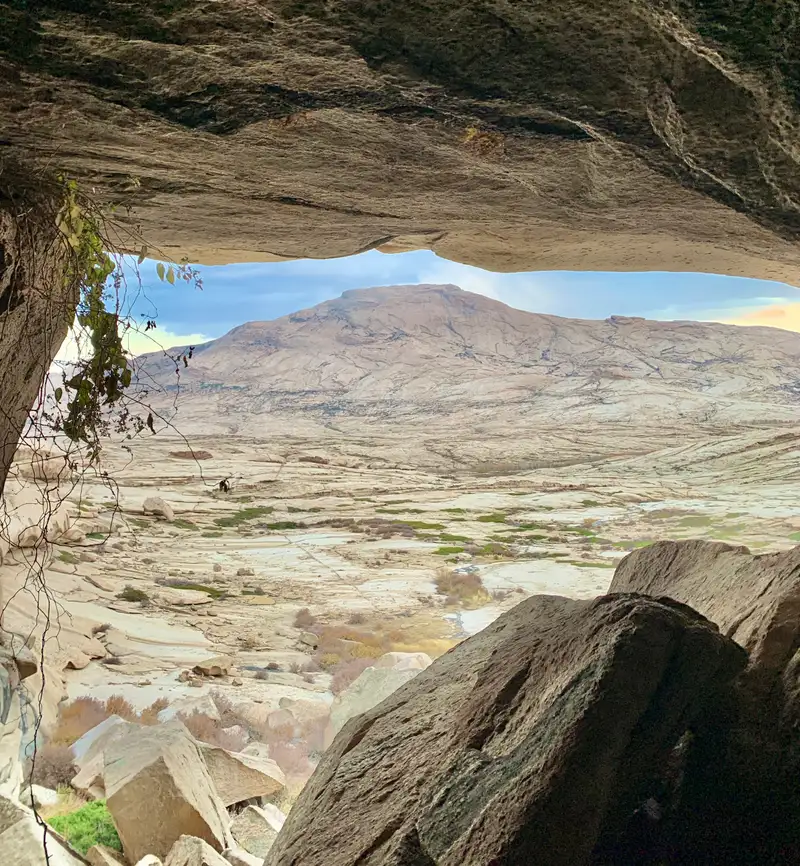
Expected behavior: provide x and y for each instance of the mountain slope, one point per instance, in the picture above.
(414, 353)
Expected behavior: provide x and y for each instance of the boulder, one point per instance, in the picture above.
(30, 515)
(89, 752)
(309, 639)
(527, 743)
(41, 464)
(158, 789)
(102, 855)
(239, 777)
(21, 839)
(149, 860)
(746, 769)
(218, 666)
(39, 796)
(157, 505)
(256, 829)
(239, 857)
(404, 661)
(191, 851)
(203, 704)
(365, 692)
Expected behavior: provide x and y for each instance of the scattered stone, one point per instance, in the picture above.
(181, 597)
(309, 639)
(102, 855)
(518, 745)
(99, 582)
(238, 777)
(156, 505)
(191, 851)
(257, 829)
(237, 681)
(185, 676)
(218, 666)
(217, 568)
(244, 572)
(158, 789)
(149, 860)
(88, 556)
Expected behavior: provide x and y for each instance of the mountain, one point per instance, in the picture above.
(427, 354)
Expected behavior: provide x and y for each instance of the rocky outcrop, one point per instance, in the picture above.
(631, 136)
(753, 749)
(239, 777)
(534, 741)
(160, 507)
(158, 789)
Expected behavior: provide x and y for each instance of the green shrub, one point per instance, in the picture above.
(447, 536)
(448, 551)
(99, 536)
(89, 825)
(492, 518)
(68, 557)
(130, 593)
(243, 515)
(184, 524)
(285, 524)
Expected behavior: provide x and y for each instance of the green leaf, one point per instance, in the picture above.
(160, 271)
(171, 276)
(142, 255)
(59, 393)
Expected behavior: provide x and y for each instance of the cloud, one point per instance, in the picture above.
(136, 341)
(786, 316)
(523, 291)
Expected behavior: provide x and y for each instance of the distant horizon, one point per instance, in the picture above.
(233, 295)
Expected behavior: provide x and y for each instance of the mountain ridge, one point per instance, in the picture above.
(439, 350)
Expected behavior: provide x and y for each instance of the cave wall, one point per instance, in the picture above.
(514, 136)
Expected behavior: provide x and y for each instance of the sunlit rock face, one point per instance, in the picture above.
(624, 135)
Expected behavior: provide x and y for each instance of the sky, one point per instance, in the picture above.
(233, 294)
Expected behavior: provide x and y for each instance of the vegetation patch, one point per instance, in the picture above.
(285, 524)
(200, 587)
(448, 536)
(495, 548)
(421, 524)
(243, 515)
(696, 521)
(795, 536)
(68, 557)
(191, 455)
(455, 510)
(211, 534)
(97, 536)
(579, 563)
(90, 825)
(589, 503)
(448, 551)
(461, 588)
(497, 517)
(181, 523)
(139, 522)
(131, 593)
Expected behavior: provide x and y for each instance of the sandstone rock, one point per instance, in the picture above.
(256, 829)
(190, 851)
(524, 744)
(149, 860)
(625, 127)
(370, 688)
(751, 761)
(101, 855)
(309, 639)
(40, 464)
(256, 750)
(21, 839)
(239, 857)
(404, 661)
(218, 666)
(181, 597)
(82, 746)
(158, 789)
(157, 505)
(90, 756)
(40, 796)
(203, 704)
(244, 572)
(306, 714)
(238, 777)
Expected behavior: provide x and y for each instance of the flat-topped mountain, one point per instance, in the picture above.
(414, 353)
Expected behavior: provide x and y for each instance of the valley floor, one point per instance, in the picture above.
(322, 557)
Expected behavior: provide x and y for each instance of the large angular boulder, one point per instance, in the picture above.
(158, 789)
(239, 777)
(21, 839)
(365, 692)
(89, 752)
(256, 829)
(527, 743)
(751, 761)
(102, 855)
(191, 851)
